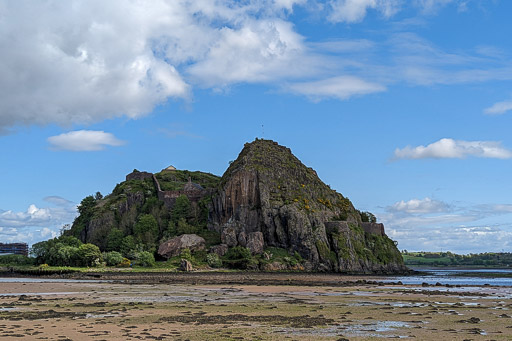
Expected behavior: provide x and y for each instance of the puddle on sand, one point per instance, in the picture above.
(37, 293)
(409, 305)
(373, 329)
(95, 316)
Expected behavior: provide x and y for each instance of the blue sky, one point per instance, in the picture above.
(403, 106)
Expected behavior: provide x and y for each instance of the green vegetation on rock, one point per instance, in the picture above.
(266, 194)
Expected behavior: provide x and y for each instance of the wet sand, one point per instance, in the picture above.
(252, 307)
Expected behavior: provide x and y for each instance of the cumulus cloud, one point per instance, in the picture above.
(355, 10)
(36, 223)
(431, 225)
(260, 51)
(499, 108)
(33, 216)
(70, 62)
(342, 87)
(86, 61)
(449, 148)
(48, 233)
(426, 205)
(84, 140)
(458, 239)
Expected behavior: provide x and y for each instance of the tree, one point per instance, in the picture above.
(127, 244)
(114, 239)
(368, 217)
(86, 211)
(55, 251)
(181, 208)
(70, 241)
(66, 255)
(184, 228)
(113, 258)
(89, 255)
(146, 229)
(98, 196)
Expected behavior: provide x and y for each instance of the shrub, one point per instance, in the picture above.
(145, 259)
(185, 254)
(125, 263)
(213, 260)
(238, 257)
(89, 255)
(113, 258)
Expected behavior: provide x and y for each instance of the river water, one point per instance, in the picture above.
(471, 277)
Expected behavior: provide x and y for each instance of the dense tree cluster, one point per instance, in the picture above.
(452, 259)
(66, 251)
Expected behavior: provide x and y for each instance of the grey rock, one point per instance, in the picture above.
(255, 242)
(242, 239)
(220, 249)
(228, 237)
(176, 245)
(185, 265)
(268, 189)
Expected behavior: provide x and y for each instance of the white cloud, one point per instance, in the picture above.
(458, 239)
(432, 225)
(36, 224)
(70, 62)
(449, 148)
(351, 11)
(288, 4)
(84, 140)
(33, 216)
(499, 108)
(86, 61)
(432, 6)
(258, 51)
(48, 233)
(342, 87)
(426, 205)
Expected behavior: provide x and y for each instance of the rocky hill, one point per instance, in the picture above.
(266, 200)
(268, 190)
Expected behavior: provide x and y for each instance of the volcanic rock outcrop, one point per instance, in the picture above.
(266, 199)
(268, 190)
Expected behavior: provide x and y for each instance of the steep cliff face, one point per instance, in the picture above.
(268, 190)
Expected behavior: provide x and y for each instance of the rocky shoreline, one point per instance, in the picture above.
(209, 277)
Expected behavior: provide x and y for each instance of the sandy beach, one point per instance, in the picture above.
(358, 309)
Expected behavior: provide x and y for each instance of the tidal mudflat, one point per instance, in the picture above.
(296, 307)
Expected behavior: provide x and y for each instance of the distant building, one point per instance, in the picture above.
(14, 248)
(170, 168)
